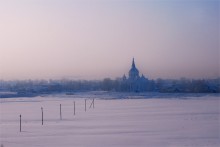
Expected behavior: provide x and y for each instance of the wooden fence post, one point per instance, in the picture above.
(74, 108)
(42, 115)
(85, 105)
(92, 104)
(20, 122)
(60, 113)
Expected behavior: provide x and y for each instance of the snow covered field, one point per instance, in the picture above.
(151, 122)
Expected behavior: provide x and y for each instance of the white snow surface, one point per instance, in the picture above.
(151, 122)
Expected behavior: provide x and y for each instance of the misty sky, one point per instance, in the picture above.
(88, 39)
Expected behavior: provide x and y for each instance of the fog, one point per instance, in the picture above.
(97, 39)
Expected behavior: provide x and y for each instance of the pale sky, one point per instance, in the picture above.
(94, 39)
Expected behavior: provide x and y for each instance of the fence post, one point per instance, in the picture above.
(20, 122)
(93, 103)
(42, 115)
(85, 105)
(60, 113)
(74, 108)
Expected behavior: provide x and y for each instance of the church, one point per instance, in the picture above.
(134, 82)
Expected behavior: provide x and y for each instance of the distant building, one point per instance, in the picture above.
(134, 83)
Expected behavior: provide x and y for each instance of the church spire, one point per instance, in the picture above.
(133, 63)
(133, 73)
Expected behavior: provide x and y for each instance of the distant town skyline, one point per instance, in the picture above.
(95, 39)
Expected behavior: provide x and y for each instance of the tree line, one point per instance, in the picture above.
(36, 87)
